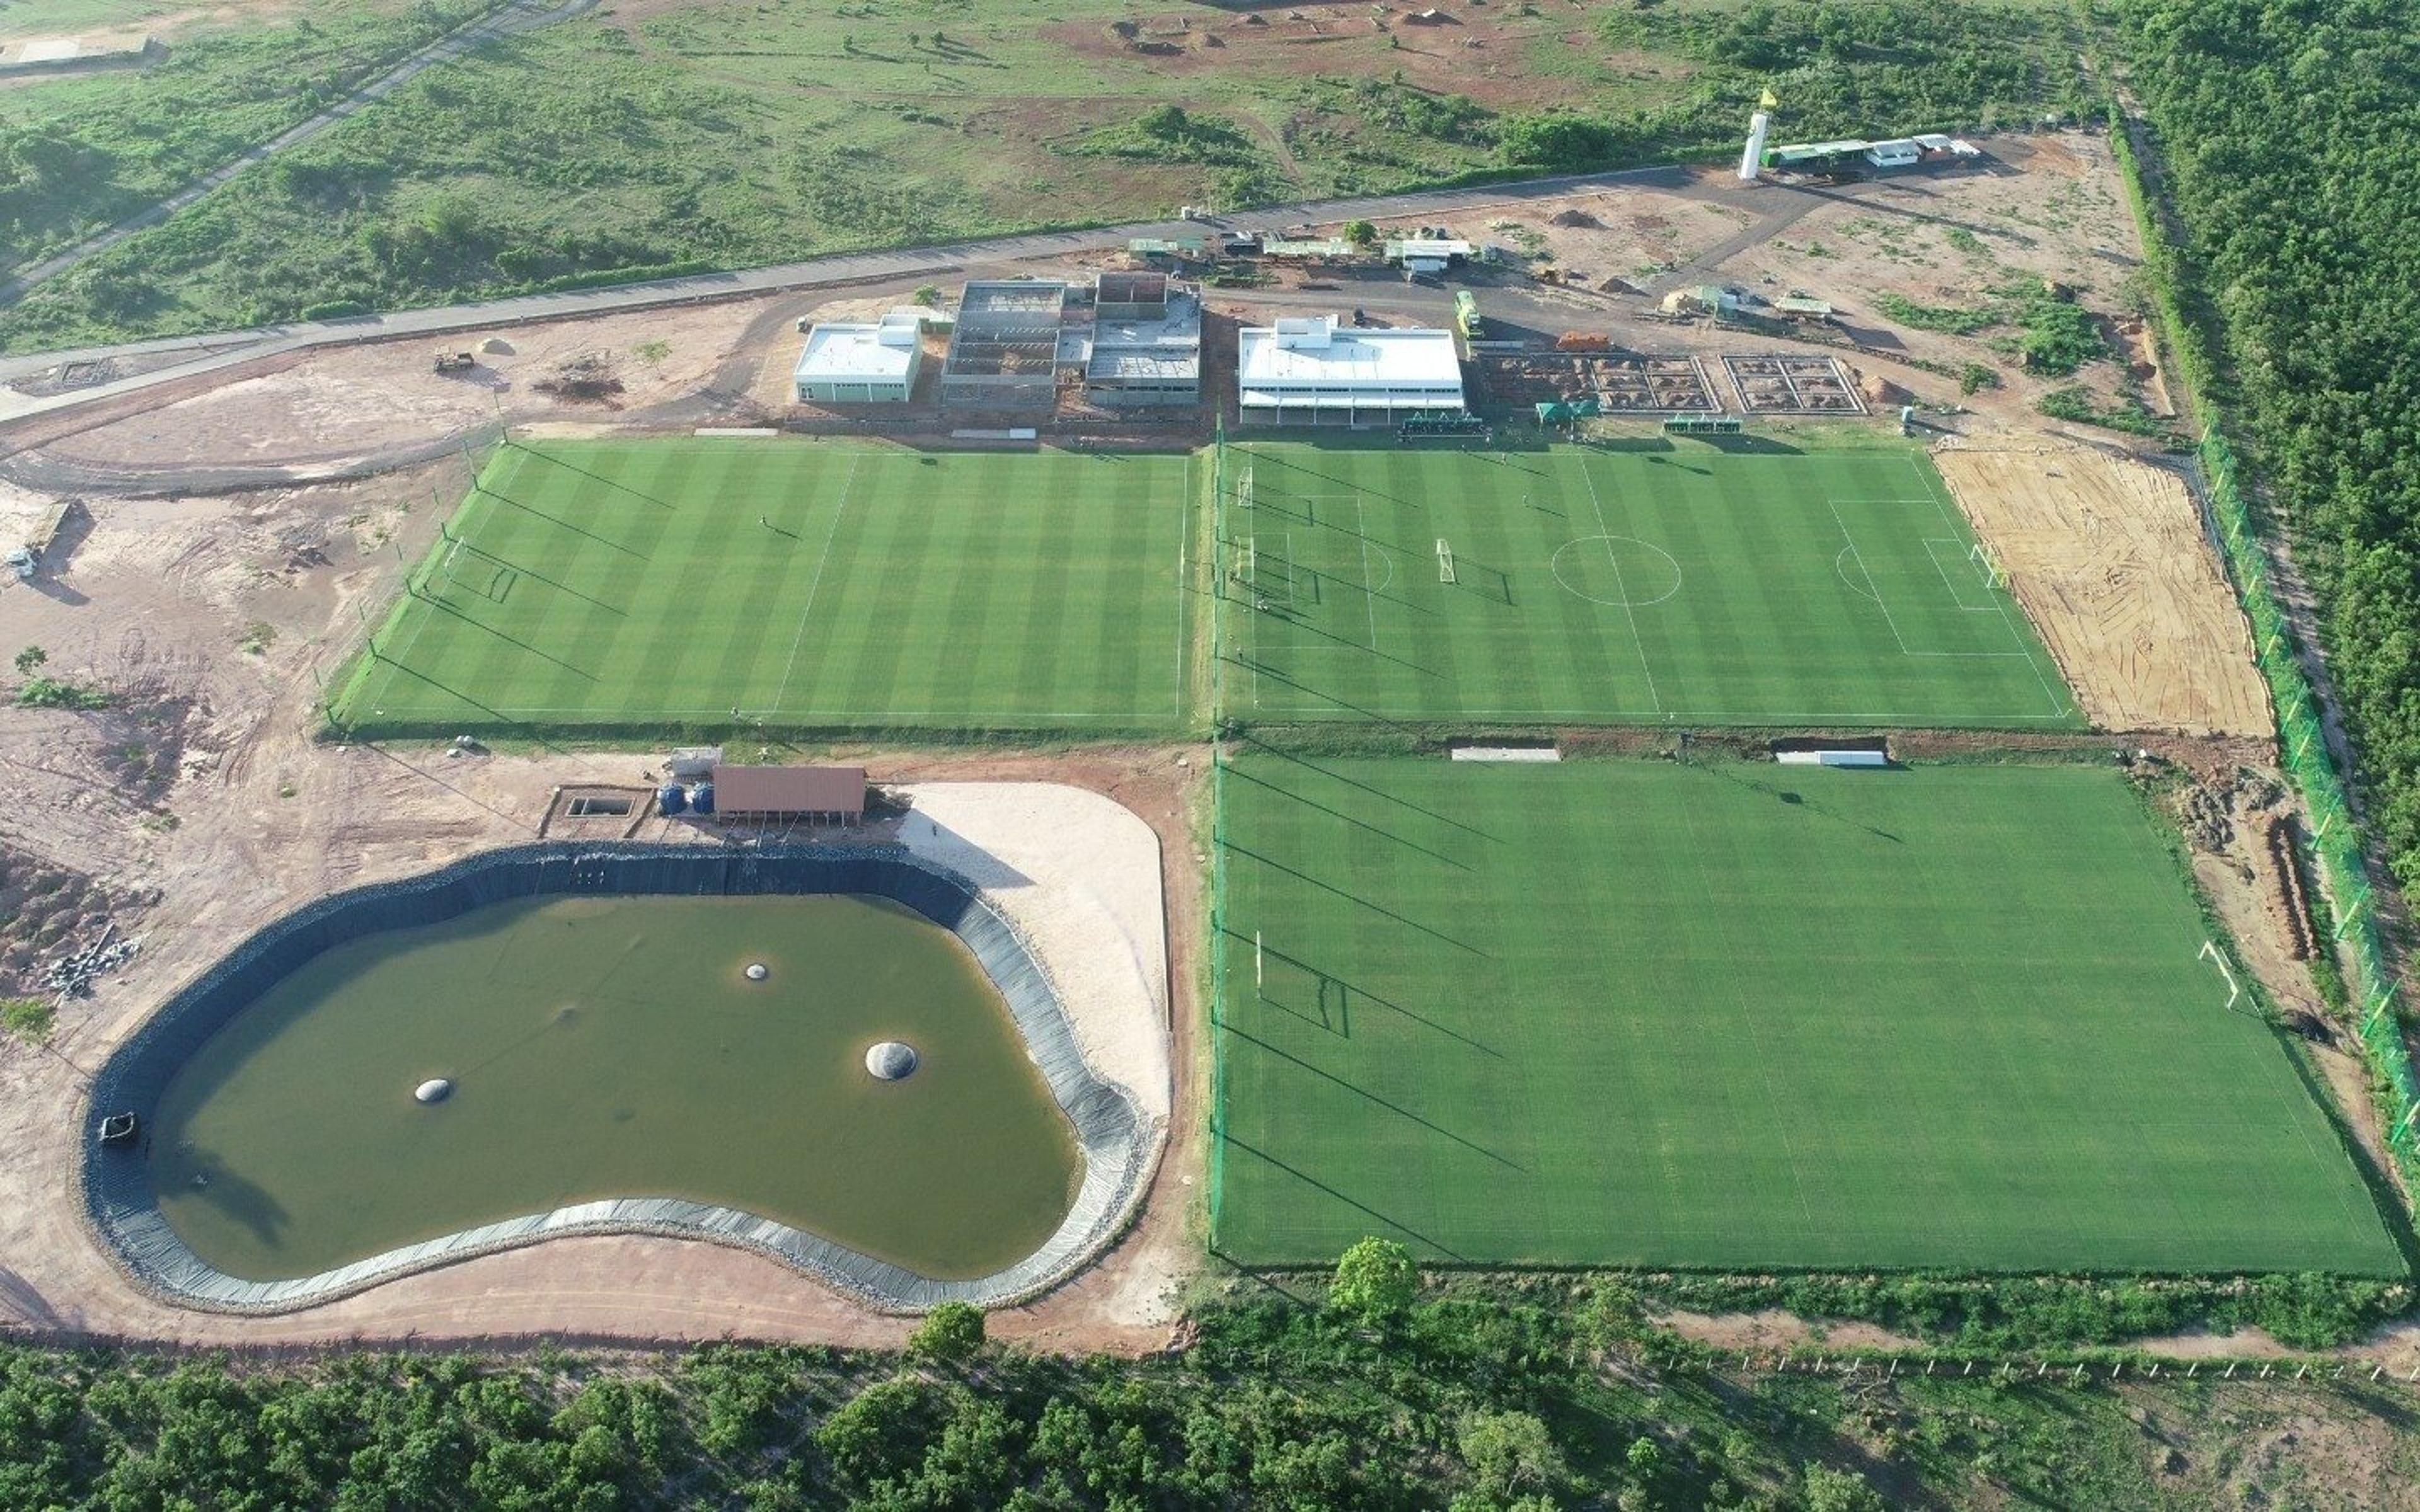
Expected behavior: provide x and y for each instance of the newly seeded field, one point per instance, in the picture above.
(1736, 1016)
(653, 586)
(1683, 584)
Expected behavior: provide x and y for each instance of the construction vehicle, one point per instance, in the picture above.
(26, 559)
(454, 360)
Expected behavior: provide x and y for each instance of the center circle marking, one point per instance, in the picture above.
(1646, 557)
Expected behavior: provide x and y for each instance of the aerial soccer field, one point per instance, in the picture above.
(1734, 1016)
(1678, 583)
(648, 586)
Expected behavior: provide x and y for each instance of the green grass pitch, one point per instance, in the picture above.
(1689, 584)
(1734, 1016)
(641, 586)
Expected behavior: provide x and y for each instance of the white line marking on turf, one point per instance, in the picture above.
(1369, 594)
(815, 585)
(1950, 583)
(1889, 620)
(1627, 612)
(1868, 591)
(2016, 634)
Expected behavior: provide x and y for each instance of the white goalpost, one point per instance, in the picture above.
(1445, 559)
(1243, 488)
(2210, 952)
(1988, 562)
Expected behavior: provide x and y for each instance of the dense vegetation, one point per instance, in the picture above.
(1474, 1403)
(732, 135)
(2287, 127)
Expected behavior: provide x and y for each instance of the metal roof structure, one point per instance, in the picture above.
(1315, 361)
(789, 790)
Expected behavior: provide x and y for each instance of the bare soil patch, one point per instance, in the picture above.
(2108, 557)
(348, 404)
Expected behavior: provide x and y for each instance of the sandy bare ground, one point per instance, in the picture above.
(2108, 557)
(338, 409)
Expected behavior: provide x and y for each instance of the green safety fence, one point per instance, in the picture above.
(2335, 838)
(2302, 742)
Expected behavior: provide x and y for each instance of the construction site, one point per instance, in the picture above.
(245, 521)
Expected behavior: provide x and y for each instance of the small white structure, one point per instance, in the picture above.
(861, 362)
(1429, 254)
(1897, 153)
(890, 1061)
(435, 1090)
(1309, 372)
(1752, 160)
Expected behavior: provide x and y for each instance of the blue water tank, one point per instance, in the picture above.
(701, 798)
(670, 799)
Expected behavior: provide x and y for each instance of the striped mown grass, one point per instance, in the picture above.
(1683, 584)
(1734, 1016)
(663, 586)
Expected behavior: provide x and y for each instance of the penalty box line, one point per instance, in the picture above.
(1883, 604)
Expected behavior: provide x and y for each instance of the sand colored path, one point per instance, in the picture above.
(2108, 560)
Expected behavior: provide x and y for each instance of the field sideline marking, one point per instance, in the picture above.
(1887, 720)
(1941, 504)
(815, 585)
(1369, 594)
(1619, 587)
(1184, 545)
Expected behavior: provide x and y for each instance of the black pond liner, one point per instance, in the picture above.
(1116, 1140)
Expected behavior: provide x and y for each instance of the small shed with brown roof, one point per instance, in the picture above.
(790, 795)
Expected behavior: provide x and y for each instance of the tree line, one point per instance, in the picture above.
(2286, 127)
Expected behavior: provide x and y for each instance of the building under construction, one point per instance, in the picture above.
(1004, 352)
(1146, 344)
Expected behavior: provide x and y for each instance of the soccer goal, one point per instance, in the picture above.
(1445, 559)
(1248, 563)
(1988, 562)
(1243, 488)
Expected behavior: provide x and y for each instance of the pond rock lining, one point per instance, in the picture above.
(1117, 1141)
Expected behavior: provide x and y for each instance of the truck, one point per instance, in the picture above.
(26, 559)
(454, 360)
(1465, 314)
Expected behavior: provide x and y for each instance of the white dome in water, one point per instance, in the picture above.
(435, 1090)
(890, 1061)
(755, 971)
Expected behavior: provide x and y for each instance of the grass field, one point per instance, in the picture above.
(1734, 1016)
(633, 587)
(1685, 585)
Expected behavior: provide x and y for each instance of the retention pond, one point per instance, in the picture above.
(603, 1047)
(848, 1062)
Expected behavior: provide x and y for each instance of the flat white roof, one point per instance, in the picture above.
(1350, 358)
(854, 353)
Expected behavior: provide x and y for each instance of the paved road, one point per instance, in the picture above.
(179, 357)
(506, 19)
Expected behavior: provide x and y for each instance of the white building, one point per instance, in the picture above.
(1308, 372)
(1899, 152)
(861, 363)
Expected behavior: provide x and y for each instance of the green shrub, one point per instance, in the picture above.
(952, 1331)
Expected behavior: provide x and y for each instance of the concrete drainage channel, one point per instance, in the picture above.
(1119, 1143)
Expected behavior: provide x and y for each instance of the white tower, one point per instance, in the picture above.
(1752, 159)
